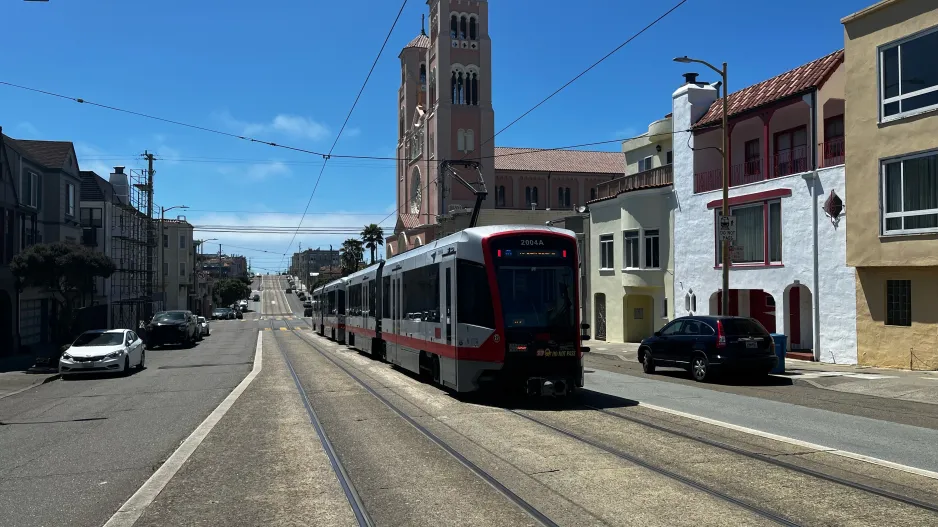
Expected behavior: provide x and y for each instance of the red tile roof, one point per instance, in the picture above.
(410, 221)
(420, 41)
(578, 161)
(793, 82)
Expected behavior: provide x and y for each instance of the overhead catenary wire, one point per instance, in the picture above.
(347, 117)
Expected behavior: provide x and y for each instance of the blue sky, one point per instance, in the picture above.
(288, 72)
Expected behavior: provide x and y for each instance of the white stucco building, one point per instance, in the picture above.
(632, 254)
(786, 152)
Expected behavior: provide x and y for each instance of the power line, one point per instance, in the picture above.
(587, 70)
(266, 212)
(347, 117)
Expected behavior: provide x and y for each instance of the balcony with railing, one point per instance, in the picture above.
(655, 177)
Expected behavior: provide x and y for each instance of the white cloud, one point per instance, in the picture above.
(27, 129)
(89, 159)
(352, 132)
(262, 171)
(295, 126)
(626, 133)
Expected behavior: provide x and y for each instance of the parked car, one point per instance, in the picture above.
(288, 290)
(705, 345)
(257, 297)
(221, 313)
(205, 327)
(114, 350)
(243, 305)
(173, 327)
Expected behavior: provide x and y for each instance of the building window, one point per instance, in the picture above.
(166, 241)
(898, 302)
(630, 250)
(530, 196)
(182, 268)
(758, 233)
(910, 194)
(592, 193)
(473, 28)
(664, 308)
(563, 197)
(165, 268)
(182, 241)
(70, 199)
(752, 158)
(29, 189)
(644, 164)
(470, 141)
(463, 25)
(908, 78)
(606, 256)
(652, 257)
(453, 26)
(670, 157)
(432, 89)
(500, 195)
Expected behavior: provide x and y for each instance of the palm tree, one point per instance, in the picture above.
(373, 236)
(350, 254)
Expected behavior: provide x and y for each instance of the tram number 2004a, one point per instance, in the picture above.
(532, 242)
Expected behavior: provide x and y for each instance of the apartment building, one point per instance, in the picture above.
(39, 203)
(892, 130)
(177, 257)
(631, 226)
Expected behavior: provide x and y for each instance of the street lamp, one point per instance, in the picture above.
(163, 212)
(725, 244)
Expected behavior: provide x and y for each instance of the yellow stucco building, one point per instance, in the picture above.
(891, 125)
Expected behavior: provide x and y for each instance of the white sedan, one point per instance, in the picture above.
(114, 350)
(204, 327)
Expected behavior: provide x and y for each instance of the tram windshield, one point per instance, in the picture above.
(537, 297)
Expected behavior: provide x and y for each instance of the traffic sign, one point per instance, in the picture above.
(727, 228)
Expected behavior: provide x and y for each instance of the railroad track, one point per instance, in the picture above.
(354, 500)
(532, 511)
(906, 500)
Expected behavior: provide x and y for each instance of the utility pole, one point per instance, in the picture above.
(151, 237)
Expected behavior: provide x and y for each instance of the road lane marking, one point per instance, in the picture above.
(133, 508)
(797, 442)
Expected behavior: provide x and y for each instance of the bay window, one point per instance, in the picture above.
(652, 259)
(606, 256)
(910, 194)
(758, 234)
(630, 250)
(909, 76)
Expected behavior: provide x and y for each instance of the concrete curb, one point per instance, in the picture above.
(44, 381)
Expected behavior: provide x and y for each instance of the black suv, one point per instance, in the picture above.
(173, 327)
(704, 345)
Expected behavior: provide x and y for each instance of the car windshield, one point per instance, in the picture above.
(170, 316)
(99, 339)
(201, 319)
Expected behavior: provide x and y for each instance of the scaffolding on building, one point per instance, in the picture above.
(133, 239)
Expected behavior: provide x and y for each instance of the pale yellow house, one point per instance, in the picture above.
(891, 124)
(631, 265)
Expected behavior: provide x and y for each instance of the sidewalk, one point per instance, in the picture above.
(17, 374)
(918, 386)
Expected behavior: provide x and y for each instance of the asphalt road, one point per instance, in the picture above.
(72, 451)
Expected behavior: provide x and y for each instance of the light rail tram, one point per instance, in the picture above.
(485, 306)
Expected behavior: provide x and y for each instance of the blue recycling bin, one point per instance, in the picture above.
(781, 346)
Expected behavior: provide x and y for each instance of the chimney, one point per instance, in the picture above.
(121, 187)
(690, 78)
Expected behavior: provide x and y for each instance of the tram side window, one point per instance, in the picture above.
(354, 300)
(386, 297)
(330, 303)
(341, 295)
(422, 298)
(372, 297)
(473, 297)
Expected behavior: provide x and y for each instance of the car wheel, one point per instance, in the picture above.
(700, 368)
(648, 363)
(143, 360)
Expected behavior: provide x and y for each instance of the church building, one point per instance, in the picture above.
(446, 114)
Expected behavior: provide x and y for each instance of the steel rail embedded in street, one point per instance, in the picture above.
(759, 511)
(539, 516)
(775, 461)
(354, 500)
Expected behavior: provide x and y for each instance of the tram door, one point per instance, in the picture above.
(392, 347)
(448, 319)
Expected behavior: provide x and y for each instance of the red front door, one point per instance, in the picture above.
(794, 317)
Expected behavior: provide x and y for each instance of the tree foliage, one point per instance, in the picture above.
(373, 237)
(66, 270)
(350, 255)
(230, 290)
